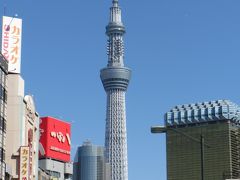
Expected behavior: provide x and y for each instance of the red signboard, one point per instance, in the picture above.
(55, 139)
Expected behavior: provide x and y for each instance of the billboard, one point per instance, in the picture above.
(55, 139)
(11, 42)
(24, 163)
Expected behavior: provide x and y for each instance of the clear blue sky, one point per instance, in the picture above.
(179, 51)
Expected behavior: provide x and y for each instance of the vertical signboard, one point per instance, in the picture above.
(11, 42)
(24, 163)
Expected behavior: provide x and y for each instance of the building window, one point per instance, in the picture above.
(2, 154)
(3, 93)
(67, 176)
(54, 174)
(3, 124)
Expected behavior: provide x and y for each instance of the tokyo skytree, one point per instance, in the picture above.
(115, 78)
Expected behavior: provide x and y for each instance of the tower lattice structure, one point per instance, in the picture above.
(115, 78)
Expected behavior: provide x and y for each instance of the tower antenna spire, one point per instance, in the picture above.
(4, 9)
(115, 31)
(115, 2)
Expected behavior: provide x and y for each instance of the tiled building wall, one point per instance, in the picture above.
(220, 159)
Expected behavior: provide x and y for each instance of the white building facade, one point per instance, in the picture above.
(22, 131)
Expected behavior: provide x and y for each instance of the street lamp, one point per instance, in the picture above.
(163, 129)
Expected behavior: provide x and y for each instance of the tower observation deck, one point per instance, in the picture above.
(115, 78)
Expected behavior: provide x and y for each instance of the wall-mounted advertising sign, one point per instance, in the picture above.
(55, 139)
(11, 42)
(24, 163)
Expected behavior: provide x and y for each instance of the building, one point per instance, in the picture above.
(3, 113)
(42, 175)
(90, 164)
(203, 141)
(22, 124)
(55, 147)
(115, 78)
(22, 131)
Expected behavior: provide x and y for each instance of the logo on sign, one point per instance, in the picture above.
(61, 137)
(11, 42)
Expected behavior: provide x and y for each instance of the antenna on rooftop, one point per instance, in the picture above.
(8, 27)
(4, 9)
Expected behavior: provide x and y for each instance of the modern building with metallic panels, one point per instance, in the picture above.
(90, 164)
(3, 113)
(218, 122)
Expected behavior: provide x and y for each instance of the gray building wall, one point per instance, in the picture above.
(57, 169)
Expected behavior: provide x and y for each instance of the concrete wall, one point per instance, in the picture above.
(56, 166)
(22, 123)
(15, 116)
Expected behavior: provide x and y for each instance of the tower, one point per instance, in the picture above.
(115, 78)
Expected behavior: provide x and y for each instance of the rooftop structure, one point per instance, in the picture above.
(203, 112)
